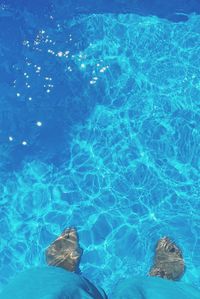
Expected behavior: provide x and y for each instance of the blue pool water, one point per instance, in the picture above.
(99, 129)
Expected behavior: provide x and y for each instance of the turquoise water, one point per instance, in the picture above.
(126, 148)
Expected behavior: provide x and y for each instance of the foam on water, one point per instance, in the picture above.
(133, 171)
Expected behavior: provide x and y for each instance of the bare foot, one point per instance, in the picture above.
(168, 263)
(65, 252)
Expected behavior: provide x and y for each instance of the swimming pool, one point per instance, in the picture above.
(99, 125)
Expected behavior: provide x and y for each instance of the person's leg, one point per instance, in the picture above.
(153, 288)
(50, 283)
(54, 282)
(168, 263)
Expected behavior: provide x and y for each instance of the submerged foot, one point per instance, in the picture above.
(168, 263)
(65, 251)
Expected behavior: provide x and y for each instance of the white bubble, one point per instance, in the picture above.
(48, 90)
(60, 54)
(24, 142)
(51, 51)
(10, 138)
(82, 65)
(39, 123)
(102, 70)
(30, 98)
(18, 94)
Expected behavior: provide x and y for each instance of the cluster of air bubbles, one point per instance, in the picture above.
(23, 142)
(26, 43)
(37, 68)
(47, 45)
(96, 68)
(43, 43)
